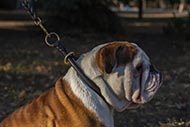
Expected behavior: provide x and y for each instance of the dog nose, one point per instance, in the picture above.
(153, 70)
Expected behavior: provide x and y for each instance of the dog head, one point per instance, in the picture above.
(123, 72)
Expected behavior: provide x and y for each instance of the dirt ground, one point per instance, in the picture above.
(28, 67)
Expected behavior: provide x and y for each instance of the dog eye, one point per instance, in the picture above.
(108, 68)
(139, 68)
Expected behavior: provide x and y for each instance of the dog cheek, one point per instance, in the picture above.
(116, 85)
(128, 82)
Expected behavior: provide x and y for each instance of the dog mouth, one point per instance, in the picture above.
(154, 82)
(145, 92)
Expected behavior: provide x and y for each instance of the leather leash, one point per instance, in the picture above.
(68, 56)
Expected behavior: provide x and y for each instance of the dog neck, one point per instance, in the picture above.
(90, 98)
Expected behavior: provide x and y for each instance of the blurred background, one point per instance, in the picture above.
(161, 27)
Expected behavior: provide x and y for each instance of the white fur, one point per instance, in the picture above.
(119, 88)
(90, 99)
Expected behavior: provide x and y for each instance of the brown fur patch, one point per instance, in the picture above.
(58, 107)
(119, 53)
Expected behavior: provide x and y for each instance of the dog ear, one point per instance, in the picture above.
(114, 54)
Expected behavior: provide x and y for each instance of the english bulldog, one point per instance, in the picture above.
(121, 70)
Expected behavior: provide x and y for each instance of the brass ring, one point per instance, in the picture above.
(48, 36)
(66, 57)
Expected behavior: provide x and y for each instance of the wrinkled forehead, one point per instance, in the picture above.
(132, 48)
(140, 53)
(114, 54)
(115, 45)
(119, 49)
(120, 52)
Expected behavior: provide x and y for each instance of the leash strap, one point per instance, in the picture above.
(68, 56)
(70, 59)
(37, 21)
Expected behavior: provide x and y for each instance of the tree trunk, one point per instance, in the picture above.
(181, 6)
(140, 5)
(162, 4)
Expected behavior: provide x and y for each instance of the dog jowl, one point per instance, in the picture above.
(121, 70)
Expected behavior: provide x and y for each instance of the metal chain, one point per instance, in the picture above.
(38, 22)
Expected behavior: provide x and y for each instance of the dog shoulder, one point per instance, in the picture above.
(57, 107)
